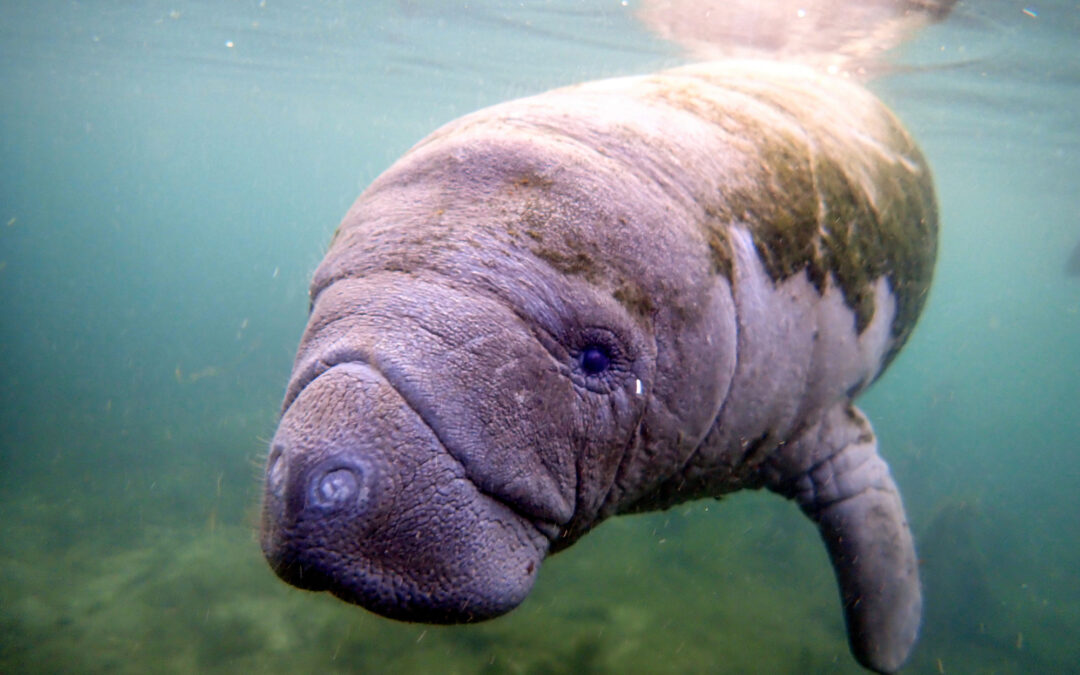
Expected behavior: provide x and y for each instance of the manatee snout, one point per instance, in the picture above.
(363, 501)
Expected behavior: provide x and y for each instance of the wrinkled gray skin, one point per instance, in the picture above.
(448, 424)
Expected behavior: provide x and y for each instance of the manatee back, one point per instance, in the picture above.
(839, 187)
(820, 172)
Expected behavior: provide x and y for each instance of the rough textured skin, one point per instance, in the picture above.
(608, 298)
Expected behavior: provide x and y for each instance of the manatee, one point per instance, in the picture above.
(609, 298)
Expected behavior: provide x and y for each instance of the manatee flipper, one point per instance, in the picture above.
(838, 479)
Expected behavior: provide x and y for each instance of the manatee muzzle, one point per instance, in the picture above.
(363, 501)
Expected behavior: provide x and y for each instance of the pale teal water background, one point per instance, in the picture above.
(164, 198)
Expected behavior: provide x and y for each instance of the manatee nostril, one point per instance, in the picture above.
(275, 469)
(337, 486)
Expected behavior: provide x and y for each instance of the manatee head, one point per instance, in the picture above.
(479, 380)
(426, 457)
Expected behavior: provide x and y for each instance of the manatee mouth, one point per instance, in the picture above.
(363, 500)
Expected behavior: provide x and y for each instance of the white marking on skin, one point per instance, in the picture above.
(799, 352)
(637, 387)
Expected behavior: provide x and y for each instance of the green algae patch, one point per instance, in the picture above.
(634, 299)
(721, 256)
(575, 264)
(831, 185)
(546, 234)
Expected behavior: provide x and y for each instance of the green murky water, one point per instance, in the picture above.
(170, 174)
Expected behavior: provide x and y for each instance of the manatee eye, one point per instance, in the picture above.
(595, 359)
